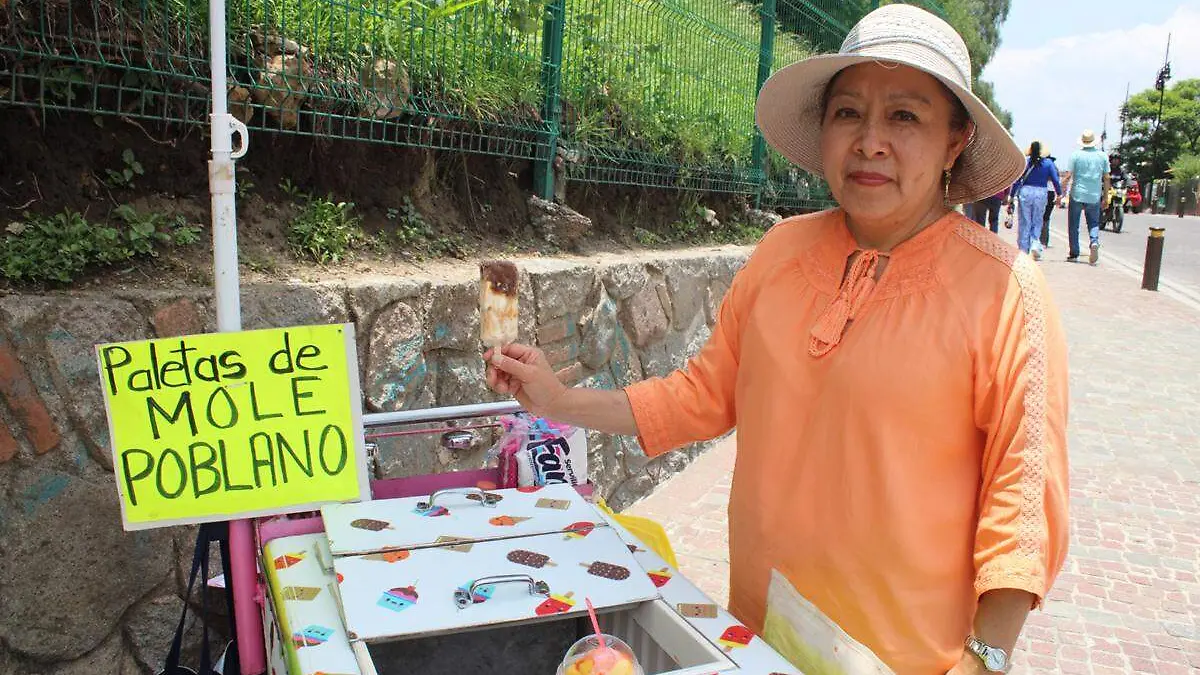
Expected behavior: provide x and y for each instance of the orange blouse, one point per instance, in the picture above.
(901, 443)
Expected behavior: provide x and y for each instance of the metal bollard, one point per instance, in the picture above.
(1153, 264)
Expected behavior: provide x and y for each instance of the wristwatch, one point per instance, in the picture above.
(994, 659)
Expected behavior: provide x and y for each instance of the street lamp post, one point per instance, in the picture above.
(1160, 83)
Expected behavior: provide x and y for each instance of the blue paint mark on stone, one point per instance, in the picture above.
(46, 488)
(441, 331)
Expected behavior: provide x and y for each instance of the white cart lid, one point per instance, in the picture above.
(468, 514)
(444, 589)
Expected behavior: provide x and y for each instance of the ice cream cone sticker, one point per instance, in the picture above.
(735, 636)
(389, 556)
(556, 604)
(288, 559)
(508, 521)
(398, 599)
(660, 577)
(530, 559)
(579, 530)
(607, 570)
(371, 525)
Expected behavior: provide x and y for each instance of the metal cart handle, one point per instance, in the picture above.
(488, 499)
(465, 597)
(443, 414)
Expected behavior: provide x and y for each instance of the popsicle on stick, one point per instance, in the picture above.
(498, 308)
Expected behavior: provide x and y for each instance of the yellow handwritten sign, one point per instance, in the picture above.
(229, 425)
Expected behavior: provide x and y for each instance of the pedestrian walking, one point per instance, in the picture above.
(987, 211)
(1030, 189)
(1051, 197)
(897, 377)
(1087, 185)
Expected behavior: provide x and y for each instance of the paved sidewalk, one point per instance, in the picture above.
(1128, 600)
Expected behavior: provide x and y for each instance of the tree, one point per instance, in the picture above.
(1185, 169)
(1179, 134)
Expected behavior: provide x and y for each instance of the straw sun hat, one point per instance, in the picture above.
(789, 105)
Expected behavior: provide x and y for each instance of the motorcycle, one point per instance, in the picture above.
(1114, 209)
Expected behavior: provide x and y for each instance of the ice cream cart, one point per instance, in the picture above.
(445, 574)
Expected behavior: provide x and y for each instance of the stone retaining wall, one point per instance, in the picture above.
(79, 595)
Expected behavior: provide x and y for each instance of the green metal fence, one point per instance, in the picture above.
(656, 93)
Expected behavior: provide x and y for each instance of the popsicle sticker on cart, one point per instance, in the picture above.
(697, 610)
(371, 525)
(530, 559)
(556, 604)
(607, 570)
(547, 503)
(660, 577)
(735, 636)
(288, 560)
(579, 530)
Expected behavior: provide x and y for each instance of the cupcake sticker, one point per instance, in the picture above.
(398, 599)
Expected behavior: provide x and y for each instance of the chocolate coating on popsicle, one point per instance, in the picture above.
(501, 274)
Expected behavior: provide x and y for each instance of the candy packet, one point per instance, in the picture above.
(535, 451)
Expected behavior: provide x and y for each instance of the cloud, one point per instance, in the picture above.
(1057, 89)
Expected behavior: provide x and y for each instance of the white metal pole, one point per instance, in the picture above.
(221, 175)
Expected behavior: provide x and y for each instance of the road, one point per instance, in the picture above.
(1181, 253)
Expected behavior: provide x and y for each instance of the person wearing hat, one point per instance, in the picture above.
(1087, 186)
(896, 374)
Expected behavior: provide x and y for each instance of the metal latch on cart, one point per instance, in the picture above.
(490, 499)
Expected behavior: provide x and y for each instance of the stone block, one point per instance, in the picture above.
(78, 326)
(560, 289)
(572, 374)
(632, 489)
(397, 371)
(558, 224)
(644, 316)
(600, 380)
(453, 321)
(181, 317)
(366, 297)
(280, 305)
(624, 362)
(623, 279)
(559, 328)
(461, 381)
(712, 301)
(687, 281)
(21, 395)
(111, 657)
(598, 333)
(723, 267)
(69, 571)
(562, 353)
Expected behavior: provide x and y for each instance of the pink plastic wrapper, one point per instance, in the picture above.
(535, 451)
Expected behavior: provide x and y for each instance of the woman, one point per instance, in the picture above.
(1030, 189)
(896, 374)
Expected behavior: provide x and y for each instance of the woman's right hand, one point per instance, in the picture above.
(524, 373)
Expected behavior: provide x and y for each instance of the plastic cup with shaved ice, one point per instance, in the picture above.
(587, 657)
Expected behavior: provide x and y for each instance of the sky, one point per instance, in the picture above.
(1063, 64)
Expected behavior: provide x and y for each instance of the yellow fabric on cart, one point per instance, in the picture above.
(649, 532)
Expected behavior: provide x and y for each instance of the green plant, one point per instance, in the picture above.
(245, 187)
(58, 248)
(124, 177)
(324, 231)
(646, 237)
(291, 189)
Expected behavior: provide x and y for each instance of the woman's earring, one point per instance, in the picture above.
(946, 186)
